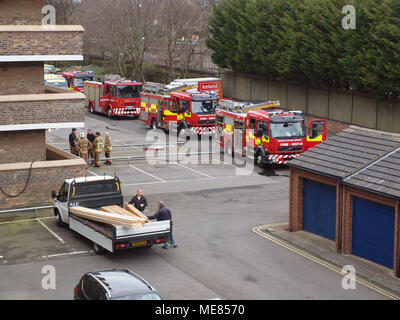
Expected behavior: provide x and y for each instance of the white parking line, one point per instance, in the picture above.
(194, 170)
(171, 181)
(149, 174)
(51, 231)
(91, 172)
(67, 254)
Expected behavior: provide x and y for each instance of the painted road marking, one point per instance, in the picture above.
(67, 254)
(149, 174)
(328, 265)
(194, 170)
(91, 172)
(51, 231)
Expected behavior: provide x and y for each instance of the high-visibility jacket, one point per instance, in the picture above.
(84, 145)
(108, 145)
(98, 144)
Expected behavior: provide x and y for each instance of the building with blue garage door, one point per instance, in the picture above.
(347, 189)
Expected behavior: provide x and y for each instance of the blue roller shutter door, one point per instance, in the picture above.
(319, 209)
(373, 231)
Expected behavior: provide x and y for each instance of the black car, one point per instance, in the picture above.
(117, 284)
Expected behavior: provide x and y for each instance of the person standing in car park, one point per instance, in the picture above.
(98, 149)
(139, 201)
(91, 137)
(163, 214)
(73, 140)
(108, 149)
(84, 146)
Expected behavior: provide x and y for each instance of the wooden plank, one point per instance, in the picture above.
(136, 212)
(119, 210)
(105, 217)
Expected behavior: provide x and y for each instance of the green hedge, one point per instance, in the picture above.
(303, 41)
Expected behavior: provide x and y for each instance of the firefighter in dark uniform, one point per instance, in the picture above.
(90, 136)
(73, 140)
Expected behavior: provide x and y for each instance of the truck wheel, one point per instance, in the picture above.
(154, 124)
(109, 113)
(183, 135)
(91, 109)
(98, 249)
(60, 223)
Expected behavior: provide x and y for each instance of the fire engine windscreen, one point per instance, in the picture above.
(204, 107)
(285, 130)
(78, 82)
(128, 91)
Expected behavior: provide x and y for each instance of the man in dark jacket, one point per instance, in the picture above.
(163, 214)
(73, 140)
(139, 201)
(91, 137)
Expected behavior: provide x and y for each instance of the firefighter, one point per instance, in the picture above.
(73, 140)
(108, 149)
(98, 149)
(84, 145)
(90, 136)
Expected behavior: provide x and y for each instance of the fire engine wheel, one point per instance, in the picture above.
(183, 135)
(109, 113)
(259, 160)
(229, 149)
(98, 249)
(154, 124)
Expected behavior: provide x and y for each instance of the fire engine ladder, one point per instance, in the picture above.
(159, 88)
(244, 107)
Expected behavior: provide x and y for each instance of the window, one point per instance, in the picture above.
(78, 82)
(204, 107)
(253, 124)
(128, 91)
(317, 128)
(265, 128)
(112, 92)
(63, 194)
(286, 130)
(92, 289)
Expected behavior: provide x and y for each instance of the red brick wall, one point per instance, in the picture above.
(56, 111)
(26, 12)
(42, 183)
(23, 146)
(21, 78)
(41, 43)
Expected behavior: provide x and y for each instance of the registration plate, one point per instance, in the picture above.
(139, 243)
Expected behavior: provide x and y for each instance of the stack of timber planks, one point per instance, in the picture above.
(114, 215)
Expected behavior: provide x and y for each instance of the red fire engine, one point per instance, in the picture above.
(264, 132)
(76, 79)
(193, 113)
(120, 98)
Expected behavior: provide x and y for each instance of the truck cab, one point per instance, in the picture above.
(94, 193)
(264, 132)
(76, 79)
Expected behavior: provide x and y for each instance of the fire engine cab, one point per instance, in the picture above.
(264, 132)
(76, 79)
(120, 98)
(192, 112)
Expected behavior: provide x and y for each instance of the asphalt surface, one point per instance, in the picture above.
(215, 208)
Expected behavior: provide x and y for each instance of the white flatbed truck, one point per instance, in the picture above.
(94, 193)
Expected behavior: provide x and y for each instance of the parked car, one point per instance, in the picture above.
(117, 284)
(55, 81)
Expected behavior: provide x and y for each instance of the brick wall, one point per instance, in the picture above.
(56, 111)
(23, 146)
(43, 181)
(21, 78)
(21, 12)
(41, 43)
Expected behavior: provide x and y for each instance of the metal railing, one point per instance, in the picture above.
(35, 209)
